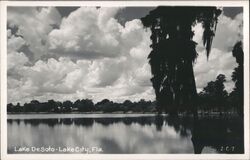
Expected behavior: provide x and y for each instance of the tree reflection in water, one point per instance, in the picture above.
(221, 133)
(224, 135)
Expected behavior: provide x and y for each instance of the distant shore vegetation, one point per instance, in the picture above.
(84, 105)
(213, 98)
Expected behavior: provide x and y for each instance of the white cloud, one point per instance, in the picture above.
(51, 78)
(63, 79)
(117, 70)
(220, 62)
(34, 24)
(95, 34)
(14, 43)
(16, 60)
(220, 59)
(94, 56)
(229, 31)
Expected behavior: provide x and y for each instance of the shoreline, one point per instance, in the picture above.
(11, 113)
(120, 112)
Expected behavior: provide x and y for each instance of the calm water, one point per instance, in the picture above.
(123, 133)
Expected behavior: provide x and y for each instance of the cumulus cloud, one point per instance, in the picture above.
(220, 61)
(89, 54)
(63, 79)
(14, 43)
(95, 58)
(229, 31)
(33, 25)
(95, 34)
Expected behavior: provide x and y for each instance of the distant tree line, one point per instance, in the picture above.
(213, 98)
(84, 105)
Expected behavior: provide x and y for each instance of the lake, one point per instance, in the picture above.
(123, 133)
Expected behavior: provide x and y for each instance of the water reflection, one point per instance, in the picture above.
(147, 134)
(224, 135)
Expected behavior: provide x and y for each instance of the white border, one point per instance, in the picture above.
(3, 71)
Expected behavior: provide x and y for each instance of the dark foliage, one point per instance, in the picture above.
(173, 53)
(84, 105)
(237, 95)
(214, 96)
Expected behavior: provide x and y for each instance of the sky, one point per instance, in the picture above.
(70, 53)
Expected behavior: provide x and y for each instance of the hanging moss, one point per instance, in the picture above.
(173, 52)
